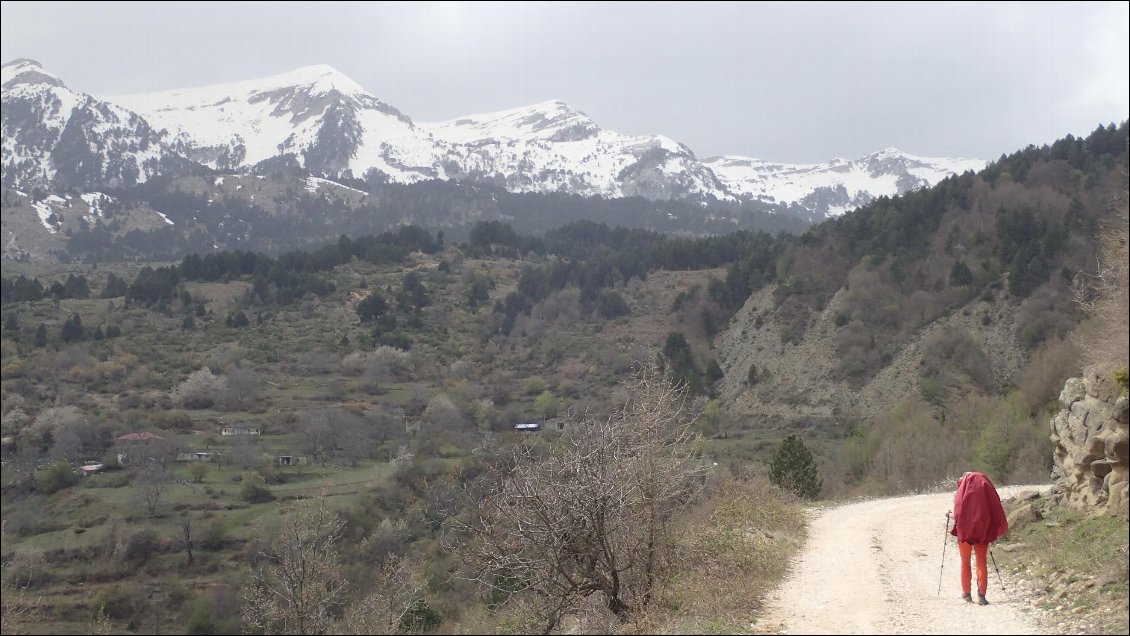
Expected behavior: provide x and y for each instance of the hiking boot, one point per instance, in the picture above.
(981, 600)
(967, 597)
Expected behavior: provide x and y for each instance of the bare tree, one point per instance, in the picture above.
(591, 518)
(297, 584)
(184, 524)
(334, 435)
(241, 388)
(149, 484)
(319, 434)
(243, 452)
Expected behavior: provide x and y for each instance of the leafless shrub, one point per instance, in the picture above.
(297, 584)
(953, 349)
(400, 587)
(17, 610)
(1043, 377)
(591, 518)
(1103, 296)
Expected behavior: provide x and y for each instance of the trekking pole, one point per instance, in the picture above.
(998, 570)
(945, 540)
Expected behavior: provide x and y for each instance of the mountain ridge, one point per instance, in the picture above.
(317, 119)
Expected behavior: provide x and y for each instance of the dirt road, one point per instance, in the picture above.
(873, 568)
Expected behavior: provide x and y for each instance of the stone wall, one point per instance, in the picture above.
(1090, 434)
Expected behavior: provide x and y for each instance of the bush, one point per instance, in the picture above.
(215, 535)
(1122, 379)
(794, 469)
(142, 545)
(201, 620)
(253, 488)
(120, 601)
(953, 350)
(612, 305)
(61, 475)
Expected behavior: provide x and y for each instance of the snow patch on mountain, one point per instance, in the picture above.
(314, 184)
(95, 201)
(47, 216)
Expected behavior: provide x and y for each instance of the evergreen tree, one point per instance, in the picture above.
(372, 307)
(960, 274)
(115, 286)
(72, 329)
(76, 287)
(238, 320)
(12, 325)
(794, 469)
(680, 361)
(40, 335)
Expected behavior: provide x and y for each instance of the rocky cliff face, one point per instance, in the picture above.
(1090, 433)
(800, 380)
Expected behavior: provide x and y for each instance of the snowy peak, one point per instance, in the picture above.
(316, 79)
(56, 137)
(314, 117)
(552, 120)
(834, 187)
(552, 147)
(311, 81)
(26, 71)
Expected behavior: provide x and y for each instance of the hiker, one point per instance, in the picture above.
(978, 520)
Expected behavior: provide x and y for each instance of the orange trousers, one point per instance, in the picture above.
(982, 550)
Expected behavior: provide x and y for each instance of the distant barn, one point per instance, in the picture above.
(196, 456)
(228, 431)
(138, 437)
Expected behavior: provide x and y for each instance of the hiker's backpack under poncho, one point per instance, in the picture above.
(978, 516)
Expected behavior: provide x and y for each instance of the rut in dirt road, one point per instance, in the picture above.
(873, 568)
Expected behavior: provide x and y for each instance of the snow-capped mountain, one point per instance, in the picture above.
(550, 147)
(314, 115)
(836, 186)
(56, 137)
(320, 121)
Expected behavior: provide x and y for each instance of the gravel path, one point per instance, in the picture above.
(873, 568)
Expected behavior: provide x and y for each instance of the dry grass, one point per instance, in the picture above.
(734, 547)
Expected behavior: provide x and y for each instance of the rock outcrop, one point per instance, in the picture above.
(1090, 433)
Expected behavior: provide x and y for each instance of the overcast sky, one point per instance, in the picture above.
(788, 82)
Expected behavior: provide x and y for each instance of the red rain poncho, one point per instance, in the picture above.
(978, 516)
